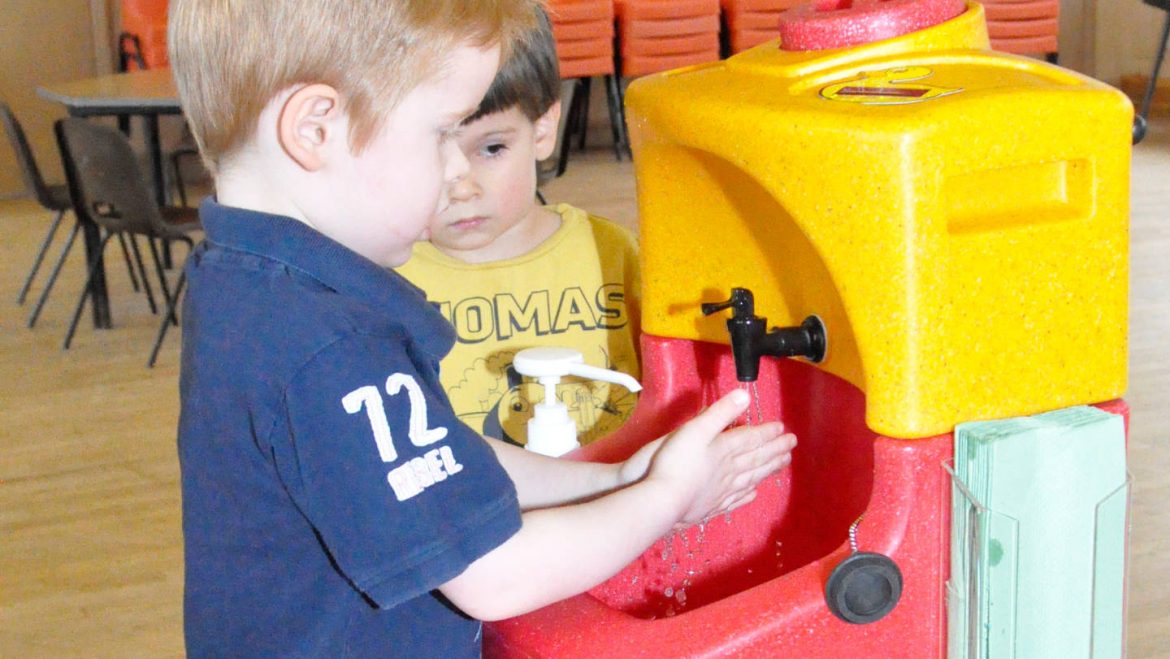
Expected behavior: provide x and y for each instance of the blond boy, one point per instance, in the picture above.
(332, 503)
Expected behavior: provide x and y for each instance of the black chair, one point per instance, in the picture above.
(1143, 115)
(130, 52)
(108, 188)
(54, 198)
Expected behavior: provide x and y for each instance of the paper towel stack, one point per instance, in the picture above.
(1038, 537)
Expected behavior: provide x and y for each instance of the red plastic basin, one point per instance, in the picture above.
(754, 585)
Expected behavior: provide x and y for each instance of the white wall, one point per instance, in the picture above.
(1126, 38)
(44, 41)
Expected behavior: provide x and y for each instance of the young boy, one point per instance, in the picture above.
(511, 274)
(333, 506)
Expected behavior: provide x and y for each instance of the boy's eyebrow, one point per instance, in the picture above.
(500, 132)
(459, 116)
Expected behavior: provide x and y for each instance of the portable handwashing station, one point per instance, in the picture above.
(944, 232)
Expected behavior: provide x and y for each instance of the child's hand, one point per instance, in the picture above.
(710, 471)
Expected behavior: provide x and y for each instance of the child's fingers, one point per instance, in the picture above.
(743, 489)
(765, 469)
(768, 451)
(758, 443)
(718, 415)
(737, 500)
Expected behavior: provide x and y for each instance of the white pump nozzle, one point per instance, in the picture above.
(550, 430)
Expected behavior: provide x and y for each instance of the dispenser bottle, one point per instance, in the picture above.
(551, 431)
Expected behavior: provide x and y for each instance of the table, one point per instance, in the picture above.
(148, 94)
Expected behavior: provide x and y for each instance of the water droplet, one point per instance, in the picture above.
(634, 580)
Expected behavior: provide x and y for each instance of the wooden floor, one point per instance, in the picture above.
(90, 542)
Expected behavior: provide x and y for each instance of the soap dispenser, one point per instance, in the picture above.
(550, 430)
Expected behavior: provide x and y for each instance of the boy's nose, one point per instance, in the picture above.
(463, 188)
(457, 166)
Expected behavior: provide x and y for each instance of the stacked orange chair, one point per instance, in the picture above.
(749, 23)
(142, 43)
(584, 32)
(658, 35)
(1027, 27)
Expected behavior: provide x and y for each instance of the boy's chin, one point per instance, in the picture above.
(396, 261)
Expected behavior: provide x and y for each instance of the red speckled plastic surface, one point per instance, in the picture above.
(825, 24)
(757, 587)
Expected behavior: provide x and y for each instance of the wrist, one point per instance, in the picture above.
(666, 496)
(623, 475)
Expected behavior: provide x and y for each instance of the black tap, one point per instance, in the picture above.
(750, 340)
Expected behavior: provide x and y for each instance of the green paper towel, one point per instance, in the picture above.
(1038, 537)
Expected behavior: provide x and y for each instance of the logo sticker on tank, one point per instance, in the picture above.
(897, 86)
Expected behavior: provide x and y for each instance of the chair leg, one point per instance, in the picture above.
(172, 306)
(617, 116)
(1149, 96)
(36, 312)
(40, 257)
(85, 292)
(129, 265)
(142, 271)
(158, 266)
(166, 321)
(583, 118)
(177, 172)
(569, 128)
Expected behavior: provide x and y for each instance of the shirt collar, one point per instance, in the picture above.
(303, 248)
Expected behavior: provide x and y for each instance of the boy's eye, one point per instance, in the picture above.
(493, 149)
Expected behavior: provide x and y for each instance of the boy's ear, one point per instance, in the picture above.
(544, 131)
(307, 123)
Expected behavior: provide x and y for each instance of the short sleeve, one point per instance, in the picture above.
(402, 494)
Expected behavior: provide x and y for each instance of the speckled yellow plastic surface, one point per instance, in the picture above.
(957, 217)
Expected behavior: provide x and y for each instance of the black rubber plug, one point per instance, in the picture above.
(864, 588)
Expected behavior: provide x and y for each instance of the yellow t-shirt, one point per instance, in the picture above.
(579, 289)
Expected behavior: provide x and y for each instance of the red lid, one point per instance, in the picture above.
(824, 24)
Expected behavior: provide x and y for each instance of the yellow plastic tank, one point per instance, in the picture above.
(958, 217)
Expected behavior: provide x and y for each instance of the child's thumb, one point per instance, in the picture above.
(711, 421)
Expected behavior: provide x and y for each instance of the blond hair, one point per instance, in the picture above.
(230, 58)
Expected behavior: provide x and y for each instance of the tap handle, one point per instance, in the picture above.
(742, 303)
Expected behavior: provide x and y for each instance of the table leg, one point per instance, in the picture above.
(98, 292)
(154, 149)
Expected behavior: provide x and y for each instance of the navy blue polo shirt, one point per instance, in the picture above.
(328, 489)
